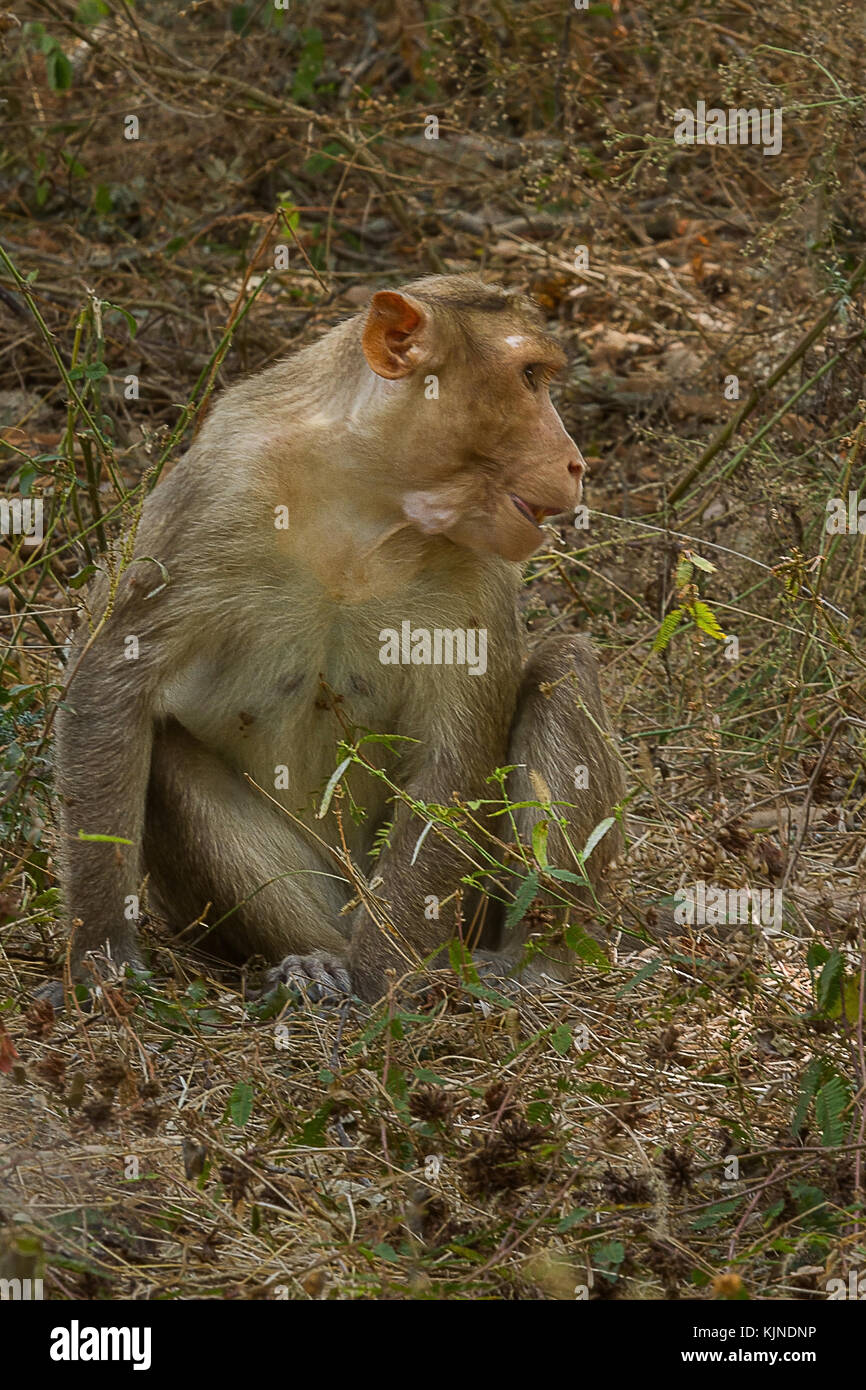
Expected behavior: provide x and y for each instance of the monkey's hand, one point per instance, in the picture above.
(317, 975)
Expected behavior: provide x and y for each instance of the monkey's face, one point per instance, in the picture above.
(485, 455)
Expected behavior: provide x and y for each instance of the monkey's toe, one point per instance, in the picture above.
(318, 975)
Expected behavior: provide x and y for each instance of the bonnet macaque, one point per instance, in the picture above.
(342, 520)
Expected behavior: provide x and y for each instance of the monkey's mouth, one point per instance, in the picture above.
(532, 513)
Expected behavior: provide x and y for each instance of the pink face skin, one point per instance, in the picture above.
(488, 458)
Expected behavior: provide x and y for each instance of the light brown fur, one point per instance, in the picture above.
(400, 508)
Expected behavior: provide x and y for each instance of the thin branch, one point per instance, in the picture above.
(759, 392)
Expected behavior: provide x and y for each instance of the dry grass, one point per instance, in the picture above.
(175, 1141)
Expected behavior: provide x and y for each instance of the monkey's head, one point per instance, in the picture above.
(484, 457)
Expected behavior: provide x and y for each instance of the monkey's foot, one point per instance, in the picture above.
(92, 970)
(51, 991)
(318, 975)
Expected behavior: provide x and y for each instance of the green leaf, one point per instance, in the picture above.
(716, 1213)
(816, 954)
(331, 788)
(702, 564)
(539, 842)
(95, 371)
(310, 65)
(490, 996)
(320, 162)
(390, 740)
(561, 1040)
(811, 1200)
(103, 203)
(78, 580)
(103, 839)
(59, 70)
(684, 574)
(645, 973)
(49, 898)
(830, 980)
(669, 626)
(811, 1080)
(523, 899)
(76, 169)
(598, 834)
(431, 1077)
(271, 1004)
(707, 620)
(609, 1256)
(830, 1104)
(585, 948)
(90, 12)
(28, 473)
(289, 214)
(567, 876)
(539, 1112)
(312, 1134)
(849, 1001)
(241, 1103)
(460, 960)
(398, 1090)
(579, 1214)
(131, 323)
(386, 1252)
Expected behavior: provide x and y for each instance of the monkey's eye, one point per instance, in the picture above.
(532, 377)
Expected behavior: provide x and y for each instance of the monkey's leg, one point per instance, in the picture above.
(562, 748)
(419, 904)
(560, 734)
(212, 838)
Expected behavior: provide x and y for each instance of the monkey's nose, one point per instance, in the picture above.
(577, 467)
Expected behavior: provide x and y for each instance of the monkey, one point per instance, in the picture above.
(390, 479)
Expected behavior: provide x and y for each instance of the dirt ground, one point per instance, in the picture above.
(688, 1117)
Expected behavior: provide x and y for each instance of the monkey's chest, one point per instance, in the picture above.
(277, 708)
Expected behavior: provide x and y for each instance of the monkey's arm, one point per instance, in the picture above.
(102, 751)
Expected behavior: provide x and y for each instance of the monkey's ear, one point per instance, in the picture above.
(393, 334)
